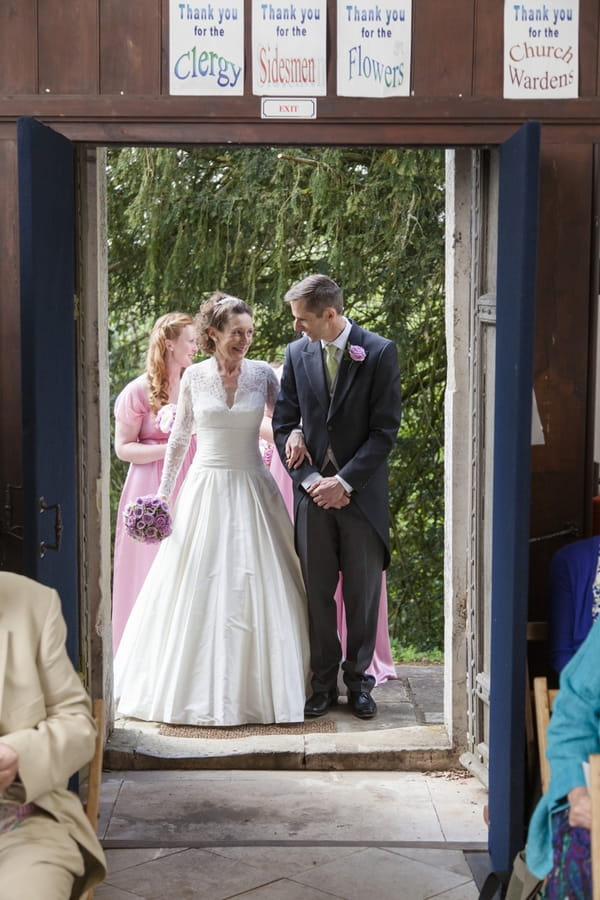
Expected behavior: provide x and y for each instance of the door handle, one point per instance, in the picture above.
(58, 527)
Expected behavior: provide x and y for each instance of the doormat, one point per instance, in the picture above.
(235, 732)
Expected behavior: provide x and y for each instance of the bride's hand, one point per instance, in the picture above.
(296, 450)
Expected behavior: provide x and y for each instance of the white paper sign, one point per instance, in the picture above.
(373, 48)
(289, 48)
(206, 48)
(541, 49)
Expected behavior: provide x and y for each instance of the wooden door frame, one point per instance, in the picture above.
(96, 449)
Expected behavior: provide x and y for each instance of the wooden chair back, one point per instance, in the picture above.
(543, 698)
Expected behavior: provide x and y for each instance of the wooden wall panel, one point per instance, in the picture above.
(18, 47)
(130, 47)
(563, 298)
(442, 48)
(589, 23)
(68, 47)
(10, 360)
(109, 48)
(487, 49)
(559, 475)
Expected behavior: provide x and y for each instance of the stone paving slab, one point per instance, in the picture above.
(236, 807)
(290, 835)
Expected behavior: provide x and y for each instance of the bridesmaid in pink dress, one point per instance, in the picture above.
(144, 412)
(382, 666)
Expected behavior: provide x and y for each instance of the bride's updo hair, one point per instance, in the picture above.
(216, 313)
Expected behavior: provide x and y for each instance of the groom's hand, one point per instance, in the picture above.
(329, 493)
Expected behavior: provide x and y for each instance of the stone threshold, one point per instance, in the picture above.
(139, 747)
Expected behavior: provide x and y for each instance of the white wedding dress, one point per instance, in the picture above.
(219, 632)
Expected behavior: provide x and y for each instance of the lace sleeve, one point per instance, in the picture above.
(179, 439)
(272, 390)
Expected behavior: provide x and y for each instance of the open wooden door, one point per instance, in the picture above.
(515, 317)
(47, 274)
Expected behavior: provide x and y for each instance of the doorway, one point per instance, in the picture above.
(471, 207)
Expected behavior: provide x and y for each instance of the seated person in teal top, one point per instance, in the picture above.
(558, 845)
(574, 588)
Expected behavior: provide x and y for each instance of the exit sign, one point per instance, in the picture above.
(288, 108)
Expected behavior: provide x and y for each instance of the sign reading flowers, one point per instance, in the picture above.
(374, 48)
(206, 48)
(541, 49)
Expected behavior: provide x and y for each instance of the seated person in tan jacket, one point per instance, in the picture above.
(48, 849)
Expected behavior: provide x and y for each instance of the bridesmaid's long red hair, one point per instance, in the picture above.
(167, 328)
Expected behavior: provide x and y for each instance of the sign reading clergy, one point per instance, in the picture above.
(206, 47)
(289, 48)
(373, 48)
(541, 49)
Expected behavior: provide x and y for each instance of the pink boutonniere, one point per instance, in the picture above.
(355, 353)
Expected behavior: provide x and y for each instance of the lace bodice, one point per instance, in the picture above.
(226, 436)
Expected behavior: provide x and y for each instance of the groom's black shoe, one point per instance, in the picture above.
(319, 703)
(362, 704)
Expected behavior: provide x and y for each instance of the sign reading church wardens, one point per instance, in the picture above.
(541, 50)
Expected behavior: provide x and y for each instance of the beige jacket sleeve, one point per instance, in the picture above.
(45, 713)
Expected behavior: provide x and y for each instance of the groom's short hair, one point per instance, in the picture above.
(319, 292)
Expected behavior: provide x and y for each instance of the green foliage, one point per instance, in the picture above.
(251, 221)
(410, 655)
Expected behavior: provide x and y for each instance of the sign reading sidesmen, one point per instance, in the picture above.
(289, 48)
(206, 48)
(374, 48)
(541, 50)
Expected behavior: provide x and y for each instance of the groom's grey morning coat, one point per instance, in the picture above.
(360, 421)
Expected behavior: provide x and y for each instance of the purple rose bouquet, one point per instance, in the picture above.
(355, 353)
(148, 519)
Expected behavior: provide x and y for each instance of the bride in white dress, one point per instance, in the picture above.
(219, 632)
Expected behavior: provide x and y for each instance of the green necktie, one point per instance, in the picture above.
(331, 363)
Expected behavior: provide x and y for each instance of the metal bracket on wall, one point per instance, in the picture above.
(58, 527)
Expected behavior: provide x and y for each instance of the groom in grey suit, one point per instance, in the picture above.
(335, 422)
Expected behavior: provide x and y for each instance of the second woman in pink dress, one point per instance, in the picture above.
(144, 412)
